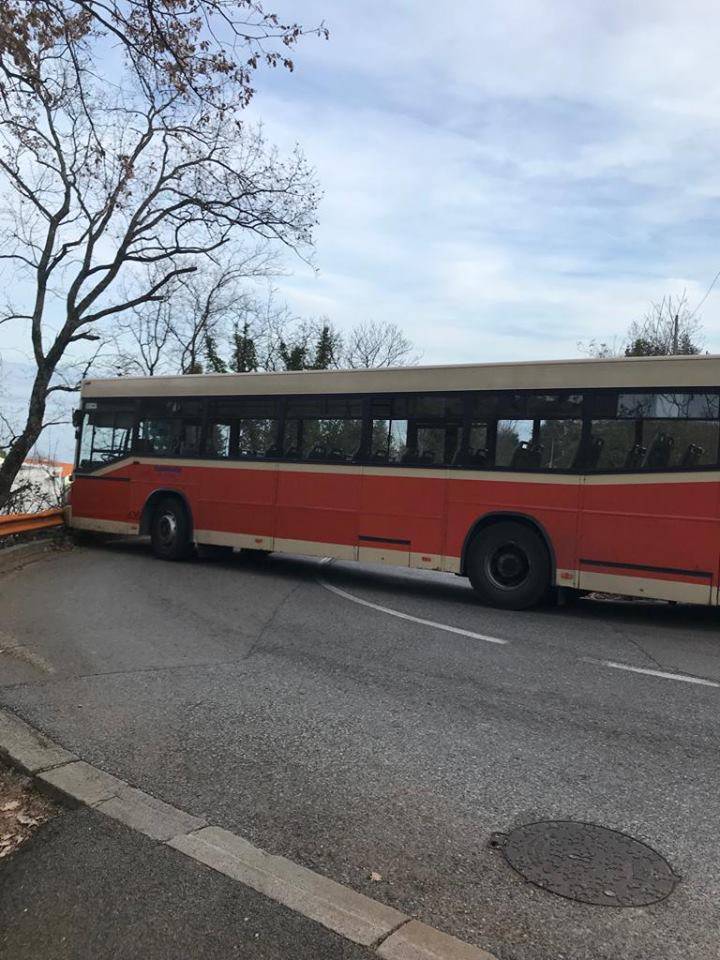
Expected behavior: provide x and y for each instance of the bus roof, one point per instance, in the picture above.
(578, 374)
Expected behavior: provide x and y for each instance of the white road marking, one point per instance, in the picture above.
(406, 616)
(664, 675)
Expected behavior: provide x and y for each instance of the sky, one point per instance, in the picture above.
(505, 179)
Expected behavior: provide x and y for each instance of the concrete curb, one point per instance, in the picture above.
(388, 932)
(11, 558)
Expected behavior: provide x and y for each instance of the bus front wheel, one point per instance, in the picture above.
(170, 530)
(509, 566)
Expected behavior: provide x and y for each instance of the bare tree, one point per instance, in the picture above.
(667, 328)
(373, 344)
(107, 186)
(205, 50)
(141, 341)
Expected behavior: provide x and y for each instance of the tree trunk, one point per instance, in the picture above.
(22, 444)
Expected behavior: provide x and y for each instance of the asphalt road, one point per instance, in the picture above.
(354, 741)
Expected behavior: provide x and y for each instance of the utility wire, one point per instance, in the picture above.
(709, 291)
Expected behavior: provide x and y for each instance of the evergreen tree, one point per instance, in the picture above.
(216, 364)
(244, 358)
(294, 357)
(325, 349)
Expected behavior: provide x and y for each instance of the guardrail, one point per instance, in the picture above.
(29, 522)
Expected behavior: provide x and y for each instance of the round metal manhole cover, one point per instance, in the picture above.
(589, 863)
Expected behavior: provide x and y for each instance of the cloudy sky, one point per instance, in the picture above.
(505, 179)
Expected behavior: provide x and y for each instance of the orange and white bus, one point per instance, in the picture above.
(592, 475)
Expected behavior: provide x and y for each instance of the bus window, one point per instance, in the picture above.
(679, 443)
(478, 451)
(422, 430)
(242, 427)
(324, 429)
(389, 441)
(613, 444)
(106, 433)
(559, 442)
(670, 405)
(170, 427)
(674, 429)
(514, 446)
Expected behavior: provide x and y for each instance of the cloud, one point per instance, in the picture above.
(507, 178)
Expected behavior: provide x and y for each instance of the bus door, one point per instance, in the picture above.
(101, 482)
(404, 494)
(319, 477)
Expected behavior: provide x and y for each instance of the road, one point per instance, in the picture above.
(321, 725)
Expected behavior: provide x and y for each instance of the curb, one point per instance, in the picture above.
(11, 558)
(389, 933)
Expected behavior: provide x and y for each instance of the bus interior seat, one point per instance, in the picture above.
(634, 457)
(692, 456)
(292, 453)
(527, 456)
(660, 452)
(411, 455)
(317, 452)
(475, 458)
(427, 456)
(588, 453)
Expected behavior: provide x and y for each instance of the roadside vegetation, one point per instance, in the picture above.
(22, 810)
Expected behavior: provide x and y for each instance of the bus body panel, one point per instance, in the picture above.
(636, 533)
(403, 516)
(316, 507)
(104, 500)
(552, 504)
(650, 538)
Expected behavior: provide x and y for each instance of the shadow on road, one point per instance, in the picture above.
(392, 582)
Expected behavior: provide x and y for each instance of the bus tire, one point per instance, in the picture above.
(170, 530)
(509, 566)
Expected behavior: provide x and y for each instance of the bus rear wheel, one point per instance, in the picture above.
(170, 530)
(509, 566)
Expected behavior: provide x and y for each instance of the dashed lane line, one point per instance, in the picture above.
(406, 616)
(662, 674)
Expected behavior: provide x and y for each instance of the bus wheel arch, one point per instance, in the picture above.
(167, 518)
(509, 560)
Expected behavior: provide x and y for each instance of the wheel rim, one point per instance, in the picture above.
(167, 529)
(507, 567)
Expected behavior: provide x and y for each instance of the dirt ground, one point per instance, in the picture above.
(22, 810)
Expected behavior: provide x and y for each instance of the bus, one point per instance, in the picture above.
(528, 478)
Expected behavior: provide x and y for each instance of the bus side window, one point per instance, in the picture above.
(478, 452)
(514, 446)
(679, 443)
(612, 442)
(389, 442)
(559, 443)
(218, 439)
(673, 430)
(170, 427)
(418, 430)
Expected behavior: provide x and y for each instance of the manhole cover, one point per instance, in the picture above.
(586, 862)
